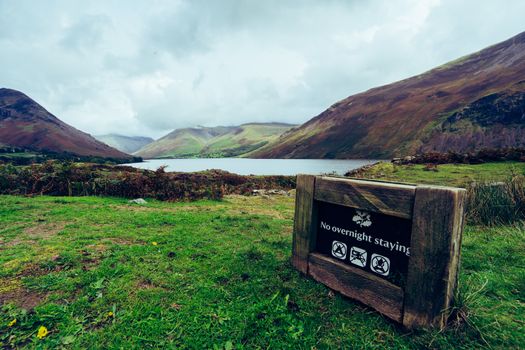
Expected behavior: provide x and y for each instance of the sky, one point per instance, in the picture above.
(148, 67)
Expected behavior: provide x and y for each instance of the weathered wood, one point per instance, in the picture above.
(390, 199)
(435, 248)
(437, 225)
(380, 294)
(304, 224)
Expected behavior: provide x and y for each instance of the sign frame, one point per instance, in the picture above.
(437, 215)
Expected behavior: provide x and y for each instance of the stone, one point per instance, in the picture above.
(138, 201)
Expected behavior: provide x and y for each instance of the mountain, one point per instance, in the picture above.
(26, 124)
(220, 141)
(477, 101)
(127, 144)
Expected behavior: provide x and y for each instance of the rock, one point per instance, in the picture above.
(267, 193)
(277, 192)
(138, 201)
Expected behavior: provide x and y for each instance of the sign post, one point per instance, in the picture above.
(393, 247)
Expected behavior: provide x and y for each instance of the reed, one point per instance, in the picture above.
(497, 202)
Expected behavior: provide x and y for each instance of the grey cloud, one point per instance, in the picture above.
(86, 33)
(180, 32)
(146, 67)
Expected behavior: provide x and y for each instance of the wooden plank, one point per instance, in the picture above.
(435, 248)
(357, 284)
(304, 235)
(390, 199)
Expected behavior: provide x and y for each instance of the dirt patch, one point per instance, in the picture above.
(14, 293)
(34, 270)
(16, 242)
(99, 247)
(90, 260)
(102, 247)
(44, 230)
(147, 284)
(121, 241)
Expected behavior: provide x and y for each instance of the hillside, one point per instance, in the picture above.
(221, 141)
(127, 144)
(26, 124)
(477, 101)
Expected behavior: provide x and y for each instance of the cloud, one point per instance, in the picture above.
(86, 34)
(147, 67)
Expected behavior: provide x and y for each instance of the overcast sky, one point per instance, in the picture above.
(147, 67)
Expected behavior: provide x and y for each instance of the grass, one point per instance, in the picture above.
(446, 174)
(497, 203)
(495, 191)
(100, 273)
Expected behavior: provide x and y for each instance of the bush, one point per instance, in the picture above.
(478, 157)
(73, 179)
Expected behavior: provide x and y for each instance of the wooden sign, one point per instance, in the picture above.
(391, 246)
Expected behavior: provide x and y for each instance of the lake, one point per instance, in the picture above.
(245, 166)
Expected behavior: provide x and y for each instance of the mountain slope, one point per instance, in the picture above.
(26, 124)
(477, 101)
(220, 141)
(127, 144)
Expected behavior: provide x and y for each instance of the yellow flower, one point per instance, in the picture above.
(12, 323)
(110, 314)
(154, 243)
(42, 332)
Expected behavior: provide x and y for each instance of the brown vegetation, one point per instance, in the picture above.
(73, 179)
(478, 157)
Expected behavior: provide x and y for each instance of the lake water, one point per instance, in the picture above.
(245, 166)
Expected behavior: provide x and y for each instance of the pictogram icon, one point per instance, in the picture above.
(380, 264)
(339, 250)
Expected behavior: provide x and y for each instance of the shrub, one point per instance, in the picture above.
(478, 157)
(73, 179)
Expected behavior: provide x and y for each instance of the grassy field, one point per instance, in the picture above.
(100, 273)
(446, 174)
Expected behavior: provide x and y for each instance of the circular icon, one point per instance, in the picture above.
(339, 249)
(380, 264)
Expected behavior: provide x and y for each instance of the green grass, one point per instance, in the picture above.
(19, 155)
(220, 277)
(446, 174)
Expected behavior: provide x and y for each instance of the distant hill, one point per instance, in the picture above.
(26, 124)
(475, 102)
(127, 144)
(220, 141)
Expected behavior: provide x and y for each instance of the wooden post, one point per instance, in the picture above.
(304, 223)
(433, 268)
